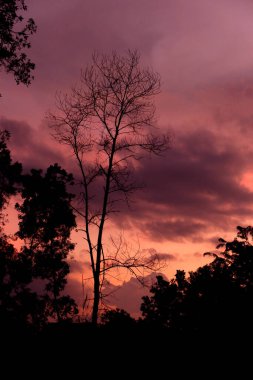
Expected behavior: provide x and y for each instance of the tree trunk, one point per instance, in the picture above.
(100, 234)
(96, 299)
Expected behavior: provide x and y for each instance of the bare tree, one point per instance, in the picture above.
(108, 121)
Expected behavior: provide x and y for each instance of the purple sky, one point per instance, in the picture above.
(203, 49)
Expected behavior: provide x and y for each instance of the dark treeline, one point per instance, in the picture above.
(216, 298)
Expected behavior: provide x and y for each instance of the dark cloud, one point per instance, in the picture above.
(172, 230)
(32, 148)
(198, 254)
(77, 266)
(195, 188)
(214, 240)
(152, 253)
(75, 289)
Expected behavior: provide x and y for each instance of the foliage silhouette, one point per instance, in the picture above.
(117, 318)
(14, 40)
(19, 305)
(10, 173)
(163, 307)
(46, 220)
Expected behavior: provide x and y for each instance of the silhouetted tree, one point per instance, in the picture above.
(19, 305)
(117, 318)
(46, 220)
(212, 299)
(237, 258)
(9, 172)
(108, 123)
(163, 307)
(14, 40)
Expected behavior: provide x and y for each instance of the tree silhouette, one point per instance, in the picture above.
(19, 305)
(14, 39)
(9, 172)
(163, 307)
(237, 258)
(108, 123)
(117, 318)
(46, 220)
(212, 299)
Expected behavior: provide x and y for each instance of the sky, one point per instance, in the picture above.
(203, 49)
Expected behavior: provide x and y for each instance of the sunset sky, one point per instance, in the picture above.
(203, 49)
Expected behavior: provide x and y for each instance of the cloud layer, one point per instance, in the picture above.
(197, 187)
